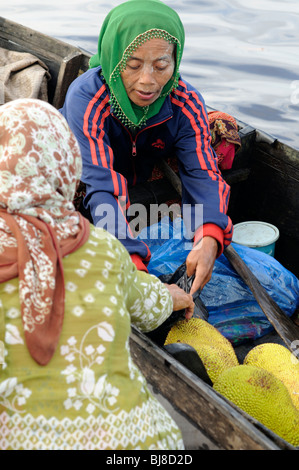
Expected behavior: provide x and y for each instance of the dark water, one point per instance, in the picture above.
(242, 56)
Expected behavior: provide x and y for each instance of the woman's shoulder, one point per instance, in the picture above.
(106, 242)
(186, 91)
(100, 252)
(82, 93)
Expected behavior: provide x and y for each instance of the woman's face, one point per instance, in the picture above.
(148, 70)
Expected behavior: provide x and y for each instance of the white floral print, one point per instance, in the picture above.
(40, 167)
(12, 335)
(98, 393)
(92, 395)
(13, 395)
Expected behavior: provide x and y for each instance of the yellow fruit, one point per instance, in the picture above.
(278, 360)
(264, 397)
(214, 350)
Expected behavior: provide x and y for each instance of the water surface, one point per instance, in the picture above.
(242, 56)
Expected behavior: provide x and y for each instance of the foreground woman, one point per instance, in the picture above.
(69, 292)
(132, 109)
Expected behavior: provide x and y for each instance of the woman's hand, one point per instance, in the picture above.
(181, 300)
(200, 262)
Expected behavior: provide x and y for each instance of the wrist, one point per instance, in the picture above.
(210, 231)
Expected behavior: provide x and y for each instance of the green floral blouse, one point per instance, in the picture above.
(90, 395)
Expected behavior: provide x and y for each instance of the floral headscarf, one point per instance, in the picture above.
(40, 167)
(124, 29)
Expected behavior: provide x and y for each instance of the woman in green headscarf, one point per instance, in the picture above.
(132, 109)
(119, 39)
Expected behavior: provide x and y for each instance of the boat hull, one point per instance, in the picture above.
(264, 183)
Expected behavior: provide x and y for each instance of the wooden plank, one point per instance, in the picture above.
(282, 152)
(63, 60)
(218, 419)
(29, 39)
(68, 71)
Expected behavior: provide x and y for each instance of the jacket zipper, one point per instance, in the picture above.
(133, 140)
(134, 149)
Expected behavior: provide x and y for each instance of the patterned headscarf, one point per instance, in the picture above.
(225, 137)
(40, 167)
(125, 28)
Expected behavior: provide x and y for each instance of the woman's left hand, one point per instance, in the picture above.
(200, 262)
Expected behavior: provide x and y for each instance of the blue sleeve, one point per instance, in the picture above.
(87, 111)
(205, 194)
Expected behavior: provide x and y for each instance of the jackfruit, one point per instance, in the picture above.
(214, 350)
(278, 360)
(264, 397)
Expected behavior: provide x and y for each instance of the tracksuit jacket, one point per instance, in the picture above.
(114, 159)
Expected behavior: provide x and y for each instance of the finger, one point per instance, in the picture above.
(189, 313)
(197, 283)
(190, 266)
(189, 310)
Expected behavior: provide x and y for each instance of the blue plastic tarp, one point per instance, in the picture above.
(232, 308)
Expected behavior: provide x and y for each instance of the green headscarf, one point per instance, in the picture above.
(124, 29)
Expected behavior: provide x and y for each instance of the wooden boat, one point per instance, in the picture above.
(264, 186)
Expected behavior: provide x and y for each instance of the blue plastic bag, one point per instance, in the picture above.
(232, 307)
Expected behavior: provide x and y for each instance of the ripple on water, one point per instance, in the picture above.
(242, 56)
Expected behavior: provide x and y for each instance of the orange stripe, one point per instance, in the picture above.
(201, 159)
(123, 185)
(186, 95)
(222, 184)
(95, 127)
(226, 197)
(120, 208)
(227, 232)
(115, 183)
(191, 118)
(223, 196)
(85, 123)
(99, 140)
(204, 127)
(148, 251)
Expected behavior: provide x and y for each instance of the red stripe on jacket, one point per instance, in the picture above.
(214, 173)
(92, 138)
(223, 187)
